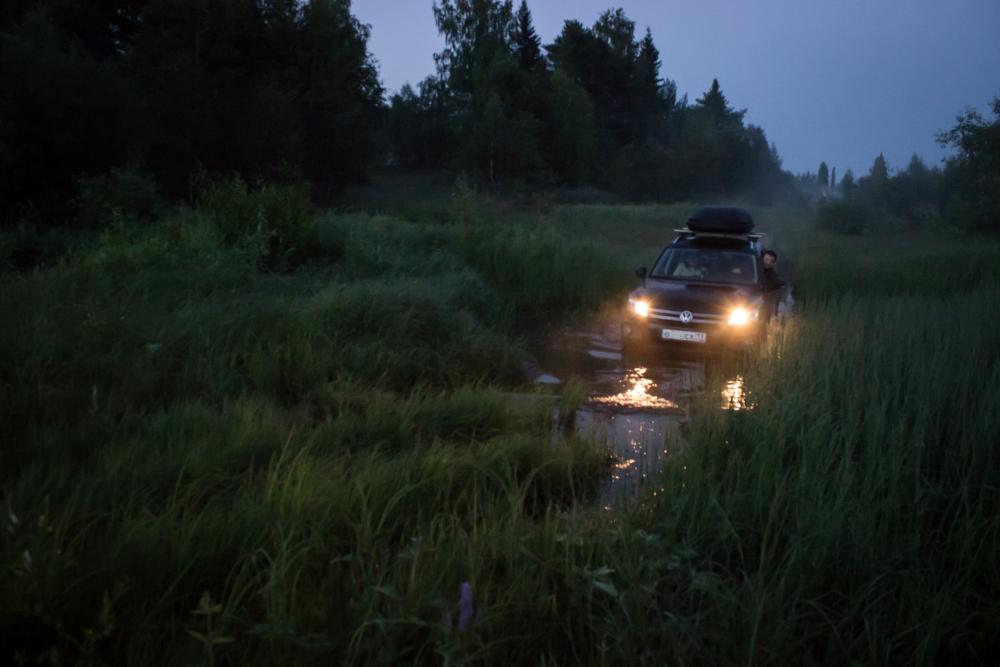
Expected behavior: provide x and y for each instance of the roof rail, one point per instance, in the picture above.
(750, 236)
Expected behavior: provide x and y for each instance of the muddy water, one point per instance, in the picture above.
(637, 405)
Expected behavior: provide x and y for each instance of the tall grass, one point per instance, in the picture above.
(311, 555)
(852, 514)
(923, 264)
(204, 462)
(141, 318)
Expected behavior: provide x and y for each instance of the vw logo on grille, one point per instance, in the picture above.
(686, 316)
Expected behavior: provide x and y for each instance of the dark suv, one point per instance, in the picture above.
(707, 287)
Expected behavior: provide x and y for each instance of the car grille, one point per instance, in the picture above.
(675, 316)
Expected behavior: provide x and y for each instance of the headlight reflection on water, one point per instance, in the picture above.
(637, 394)
(734, 395)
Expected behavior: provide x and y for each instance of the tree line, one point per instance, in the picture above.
(268, 88)
(288, 89)
(591, 108)
(145, 93)
(964, 192)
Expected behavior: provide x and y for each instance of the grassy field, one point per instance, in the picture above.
(206, 462)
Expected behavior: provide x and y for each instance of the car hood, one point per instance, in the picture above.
(696, 297)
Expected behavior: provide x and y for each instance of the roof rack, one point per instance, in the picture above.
(750, 236)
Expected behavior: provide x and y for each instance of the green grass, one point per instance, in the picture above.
(919, 263)
(852, 515)
(637, 233)
(177, 421)
(206, 462)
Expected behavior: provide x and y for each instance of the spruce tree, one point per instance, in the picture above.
(823, 175)
(880, 170)
(648, 102)
(527, 46)
(847, 183)
(833, 178)
(717, 106)
(875, 187)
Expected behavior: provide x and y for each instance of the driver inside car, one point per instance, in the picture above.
(690, 267)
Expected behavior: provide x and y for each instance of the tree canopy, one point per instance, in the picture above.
(262, 87)
(592, 107)
(288, 89)
(972, 176)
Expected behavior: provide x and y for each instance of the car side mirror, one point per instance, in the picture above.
(641, 273)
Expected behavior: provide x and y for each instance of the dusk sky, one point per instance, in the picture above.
(837, 80)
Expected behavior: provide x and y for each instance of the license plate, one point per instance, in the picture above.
(688, 336)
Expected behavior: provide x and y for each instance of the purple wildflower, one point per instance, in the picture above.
(466, 612)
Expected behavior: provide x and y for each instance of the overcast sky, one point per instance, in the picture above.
(833, 80)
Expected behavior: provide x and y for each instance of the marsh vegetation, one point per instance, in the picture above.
(208, 459)
(265, 335)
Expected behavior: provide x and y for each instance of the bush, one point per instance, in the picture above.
(464, 207)
(273, 222)
(843, 217)
(128, 193)
(925, 216)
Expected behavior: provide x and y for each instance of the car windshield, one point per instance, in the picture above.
(707, 265)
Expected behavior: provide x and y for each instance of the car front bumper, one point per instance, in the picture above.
(654, 331)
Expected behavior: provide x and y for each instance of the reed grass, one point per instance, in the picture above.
(203, 462)
(852, 514)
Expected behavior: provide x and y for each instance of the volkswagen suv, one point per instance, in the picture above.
(706, 288)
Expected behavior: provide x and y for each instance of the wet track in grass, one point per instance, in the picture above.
(637, 405)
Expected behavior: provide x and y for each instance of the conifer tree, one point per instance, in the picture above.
(874, 188)
(527, 46)
(879, 172)
(847, 184)
(649, 102)
(833, 178)
(717, 106)
(823, 175)
(648, 65)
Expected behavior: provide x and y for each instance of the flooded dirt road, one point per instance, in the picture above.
(637, 405)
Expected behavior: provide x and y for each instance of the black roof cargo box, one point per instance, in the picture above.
(720, 220)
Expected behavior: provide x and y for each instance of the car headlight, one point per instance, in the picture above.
(639, 307)
(739, 316)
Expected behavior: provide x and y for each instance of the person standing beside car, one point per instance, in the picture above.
(771, 279)
(772, 283)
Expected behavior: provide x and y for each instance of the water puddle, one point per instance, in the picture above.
(734, 395)
(637, 406)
